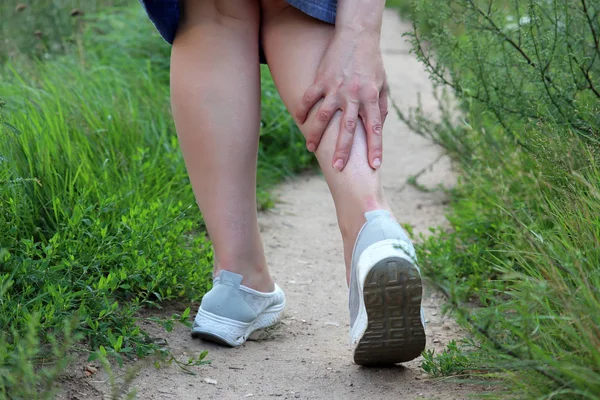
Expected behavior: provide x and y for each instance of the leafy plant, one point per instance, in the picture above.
(523, 244)
(20, 378)
(451, 361)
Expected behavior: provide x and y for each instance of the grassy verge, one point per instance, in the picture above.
(98, 218)
(525, 239)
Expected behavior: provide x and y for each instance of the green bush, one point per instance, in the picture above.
(97, 216)
(525, 217)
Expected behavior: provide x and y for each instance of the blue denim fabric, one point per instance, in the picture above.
(323, 10)
(165, 14)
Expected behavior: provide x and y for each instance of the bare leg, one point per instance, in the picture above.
(294, 44)
(215, 90)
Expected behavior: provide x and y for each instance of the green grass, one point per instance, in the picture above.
(45, 29)
(521, 262)
(452, 361)
(98, 217)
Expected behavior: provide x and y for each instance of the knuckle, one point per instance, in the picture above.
(354, 87)
(371, 94)
(324, 115)
(307, 99)
(377, 128)
(350, 124)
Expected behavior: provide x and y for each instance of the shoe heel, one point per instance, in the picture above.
(392, 295)
(219, 330)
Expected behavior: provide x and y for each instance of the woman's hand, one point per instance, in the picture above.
(350, 78)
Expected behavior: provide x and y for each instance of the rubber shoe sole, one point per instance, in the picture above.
(228, 332)
(392, 295)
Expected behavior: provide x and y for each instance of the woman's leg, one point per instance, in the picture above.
(386, 324)
(294, 44)
(215, 90)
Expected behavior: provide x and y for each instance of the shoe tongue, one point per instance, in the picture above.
(231, 278)
(371, 215)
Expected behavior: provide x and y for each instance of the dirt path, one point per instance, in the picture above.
(309, 356)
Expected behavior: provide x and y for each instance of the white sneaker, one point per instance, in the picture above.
(386, 318)
(230, 312)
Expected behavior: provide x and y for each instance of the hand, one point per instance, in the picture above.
(350, 78)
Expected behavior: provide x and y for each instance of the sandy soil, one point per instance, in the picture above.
(309, 357)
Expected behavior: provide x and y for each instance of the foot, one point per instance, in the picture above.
(386, 323)
(230, 311)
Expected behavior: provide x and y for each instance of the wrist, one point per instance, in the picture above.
(358, 32)
(360, 17)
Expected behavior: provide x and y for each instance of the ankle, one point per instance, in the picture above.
(350, 227)
(256, 276)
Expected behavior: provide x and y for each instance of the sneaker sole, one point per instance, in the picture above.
(228, 332)
(392, 298)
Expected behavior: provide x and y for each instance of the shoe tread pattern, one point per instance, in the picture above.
(392, 297)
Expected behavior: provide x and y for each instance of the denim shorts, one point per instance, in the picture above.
(165, 14)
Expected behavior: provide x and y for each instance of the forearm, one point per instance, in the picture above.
(360, 16)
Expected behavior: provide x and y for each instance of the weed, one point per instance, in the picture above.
(20, 378)
(524, 239)
(451, 361)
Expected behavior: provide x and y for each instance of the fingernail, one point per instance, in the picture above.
(376, 163)
(338, 164)
(311, 147)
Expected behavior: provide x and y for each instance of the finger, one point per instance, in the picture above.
(371, 115)
(321, 120)
(312, 95)
(383, 102)
(346, 136)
